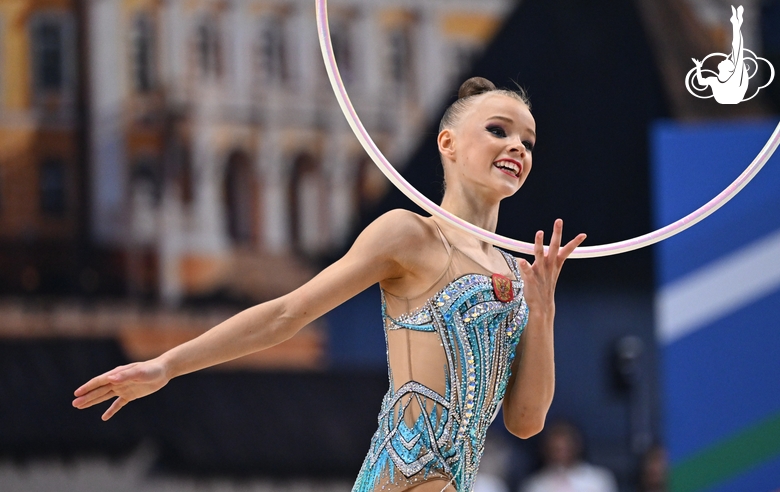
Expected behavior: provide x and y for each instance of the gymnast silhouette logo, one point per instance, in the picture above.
(730, 84)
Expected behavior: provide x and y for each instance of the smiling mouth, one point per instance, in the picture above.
(512, 168)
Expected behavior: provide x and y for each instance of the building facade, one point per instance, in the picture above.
(217, 155)
(41, 209)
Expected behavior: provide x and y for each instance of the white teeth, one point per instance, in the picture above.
(510, 166)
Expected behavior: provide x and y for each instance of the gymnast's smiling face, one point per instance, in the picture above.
(489, 149)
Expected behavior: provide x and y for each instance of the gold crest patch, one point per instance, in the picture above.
(502, 287)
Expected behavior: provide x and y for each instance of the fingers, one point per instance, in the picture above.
(88, 400)
(114, 408)
(555, 241)
(539, 246)
(98, 399)
(554, 250)
(525, 267)
(91, 385)
(571, 246)
(99, 381)
(127, 373)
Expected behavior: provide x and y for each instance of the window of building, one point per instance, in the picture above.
(53, 188)
(272, 50)
(48, 39)
(143, 54)
(2, 50)
(146, 180)
(240, 192)
(401, 62)
(209, 48)
(341, 37)
(185, 177)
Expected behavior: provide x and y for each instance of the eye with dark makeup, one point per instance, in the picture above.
(499, 132)
(496, 130)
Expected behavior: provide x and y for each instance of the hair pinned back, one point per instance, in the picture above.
(474, 87)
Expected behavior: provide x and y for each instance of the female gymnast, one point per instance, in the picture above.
(454, 309)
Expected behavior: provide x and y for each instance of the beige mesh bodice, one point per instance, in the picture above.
(449, 351)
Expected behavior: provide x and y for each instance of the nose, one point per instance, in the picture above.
(517, 147)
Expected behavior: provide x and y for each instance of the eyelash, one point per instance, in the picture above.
(499, 132)
(494, 129)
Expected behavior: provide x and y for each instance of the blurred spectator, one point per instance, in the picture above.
(564, 470)
(652, 470)
(489, 483)
(492, 468)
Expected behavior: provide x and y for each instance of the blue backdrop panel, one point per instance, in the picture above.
(722, 376)
(693, 163)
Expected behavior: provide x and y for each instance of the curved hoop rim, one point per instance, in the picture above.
(426, 204)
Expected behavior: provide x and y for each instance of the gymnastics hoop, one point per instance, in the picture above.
(426, 204)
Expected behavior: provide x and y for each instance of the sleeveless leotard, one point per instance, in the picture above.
(449, 352)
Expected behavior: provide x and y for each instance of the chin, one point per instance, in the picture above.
(507, 192)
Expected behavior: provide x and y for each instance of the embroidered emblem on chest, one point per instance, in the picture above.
(502, 287)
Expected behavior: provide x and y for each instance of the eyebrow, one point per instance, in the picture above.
(509, 120)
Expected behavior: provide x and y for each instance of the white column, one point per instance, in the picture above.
(108, 157)
(431, 69)
(242, 38)
(169, 248)
(210, 225)
(342, 185)
(304, 55)
(371, 53)
(275, 207)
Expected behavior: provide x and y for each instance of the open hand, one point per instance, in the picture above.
(126, 383)
(541, 277)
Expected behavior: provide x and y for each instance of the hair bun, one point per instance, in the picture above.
(475, 86)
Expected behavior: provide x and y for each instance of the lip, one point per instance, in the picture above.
(516, 163)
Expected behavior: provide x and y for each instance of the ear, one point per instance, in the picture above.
(446, 141)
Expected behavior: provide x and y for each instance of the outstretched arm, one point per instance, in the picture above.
(532, 383)
(372, 258)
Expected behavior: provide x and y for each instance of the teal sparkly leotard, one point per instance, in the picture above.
(451, 358)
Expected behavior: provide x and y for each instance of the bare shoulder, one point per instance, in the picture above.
(400, 236)
(399, 228)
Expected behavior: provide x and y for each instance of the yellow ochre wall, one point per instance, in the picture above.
(26, 138)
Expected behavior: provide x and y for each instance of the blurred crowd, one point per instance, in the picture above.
(563, 467)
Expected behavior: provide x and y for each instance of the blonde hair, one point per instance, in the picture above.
(469, 90)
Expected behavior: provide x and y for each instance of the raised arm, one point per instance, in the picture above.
(374, 256)
(531, 385)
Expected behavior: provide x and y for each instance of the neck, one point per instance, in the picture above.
(473, 210)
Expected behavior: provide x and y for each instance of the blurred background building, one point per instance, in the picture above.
(187, 140)
(166, 163)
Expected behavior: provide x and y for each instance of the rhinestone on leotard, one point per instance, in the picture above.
(479, 335)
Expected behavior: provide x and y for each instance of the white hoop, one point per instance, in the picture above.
(504, 242)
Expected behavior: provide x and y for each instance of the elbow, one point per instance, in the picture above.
(525, 426)
(288, 317)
